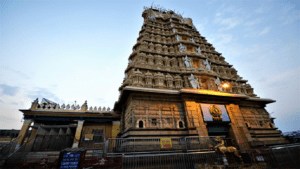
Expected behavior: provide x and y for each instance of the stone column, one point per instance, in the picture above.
(34, 130)
(238, 127)
(78, 134)
(23, 132)
(195, 119)
(115, 129)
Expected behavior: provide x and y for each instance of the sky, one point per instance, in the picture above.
(69, 51)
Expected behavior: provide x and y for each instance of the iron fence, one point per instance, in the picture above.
(8, 148)
(287, 155)
(153, 145)
(177, 161)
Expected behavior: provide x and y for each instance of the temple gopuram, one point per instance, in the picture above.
(176, 84)
(178, 95)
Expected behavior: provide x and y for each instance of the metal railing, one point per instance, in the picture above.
(287, 155)
(153, 145)
(173, 160)
(8, 148)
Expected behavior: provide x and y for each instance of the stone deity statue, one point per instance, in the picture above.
(187, 61)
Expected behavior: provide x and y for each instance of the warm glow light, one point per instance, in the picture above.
(225, 85)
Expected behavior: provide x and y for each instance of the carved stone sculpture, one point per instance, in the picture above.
(159, 80)
(194, 82)
(199, 50)
(148, 79)
(221, 149)
(167, 61)
(152, 17)
(187, 61)
(207, 64)
(182, 48)
(158, 60)
(178, 82)
(137, 78)
(169, 80)
(177, 38)
(150, 59)
(68, 107)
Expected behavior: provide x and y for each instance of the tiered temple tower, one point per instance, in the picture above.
(176, 84)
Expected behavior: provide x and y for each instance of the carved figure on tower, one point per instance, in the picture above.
(207, 64)
(194, 82)
(187, 61)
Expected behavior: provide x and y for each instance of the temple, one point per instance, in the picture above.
(176, 85)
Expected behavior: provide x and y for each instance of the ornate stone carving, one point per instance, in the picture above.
(165, 49)
(199, 50)
(152, 17)
(104, 109)
(150, 59)
(137, 78)
(151, 46)
(172, 25)
(187, 61)
(174, 62)
(148, 79)
(169, 80)
(158, 38)
(171, 49)
(174, 30)
(177, 38)
(182, 48)
(194, 82)
(178, 82)
(207, 64)
(158, 47)
(166, 61)
(144, 45)
(68, 107)
(62, 106)
(192, 40)
(99, 108)
(57, 107)
(129, 62)
(159, 80)
(158, 60)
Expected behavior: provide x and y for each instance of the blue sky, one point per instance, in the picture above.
(78, 50)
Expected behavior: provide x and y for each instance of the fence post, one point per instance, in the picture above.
(186, 146)
(134, 145)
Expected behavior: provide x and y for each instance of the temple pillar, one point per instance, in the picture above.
(115, 129)
(238, 127)
(195, 119)
(78, 134)
(23, 132)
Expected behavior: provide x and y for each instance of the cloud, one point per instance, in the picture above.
(265, 31)
(254, 22)
(229, 23)
(225, 38)
(8, 90)
(43, 93)
(1, 101)
(259, 10)
(16, 72)
(15, 103)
